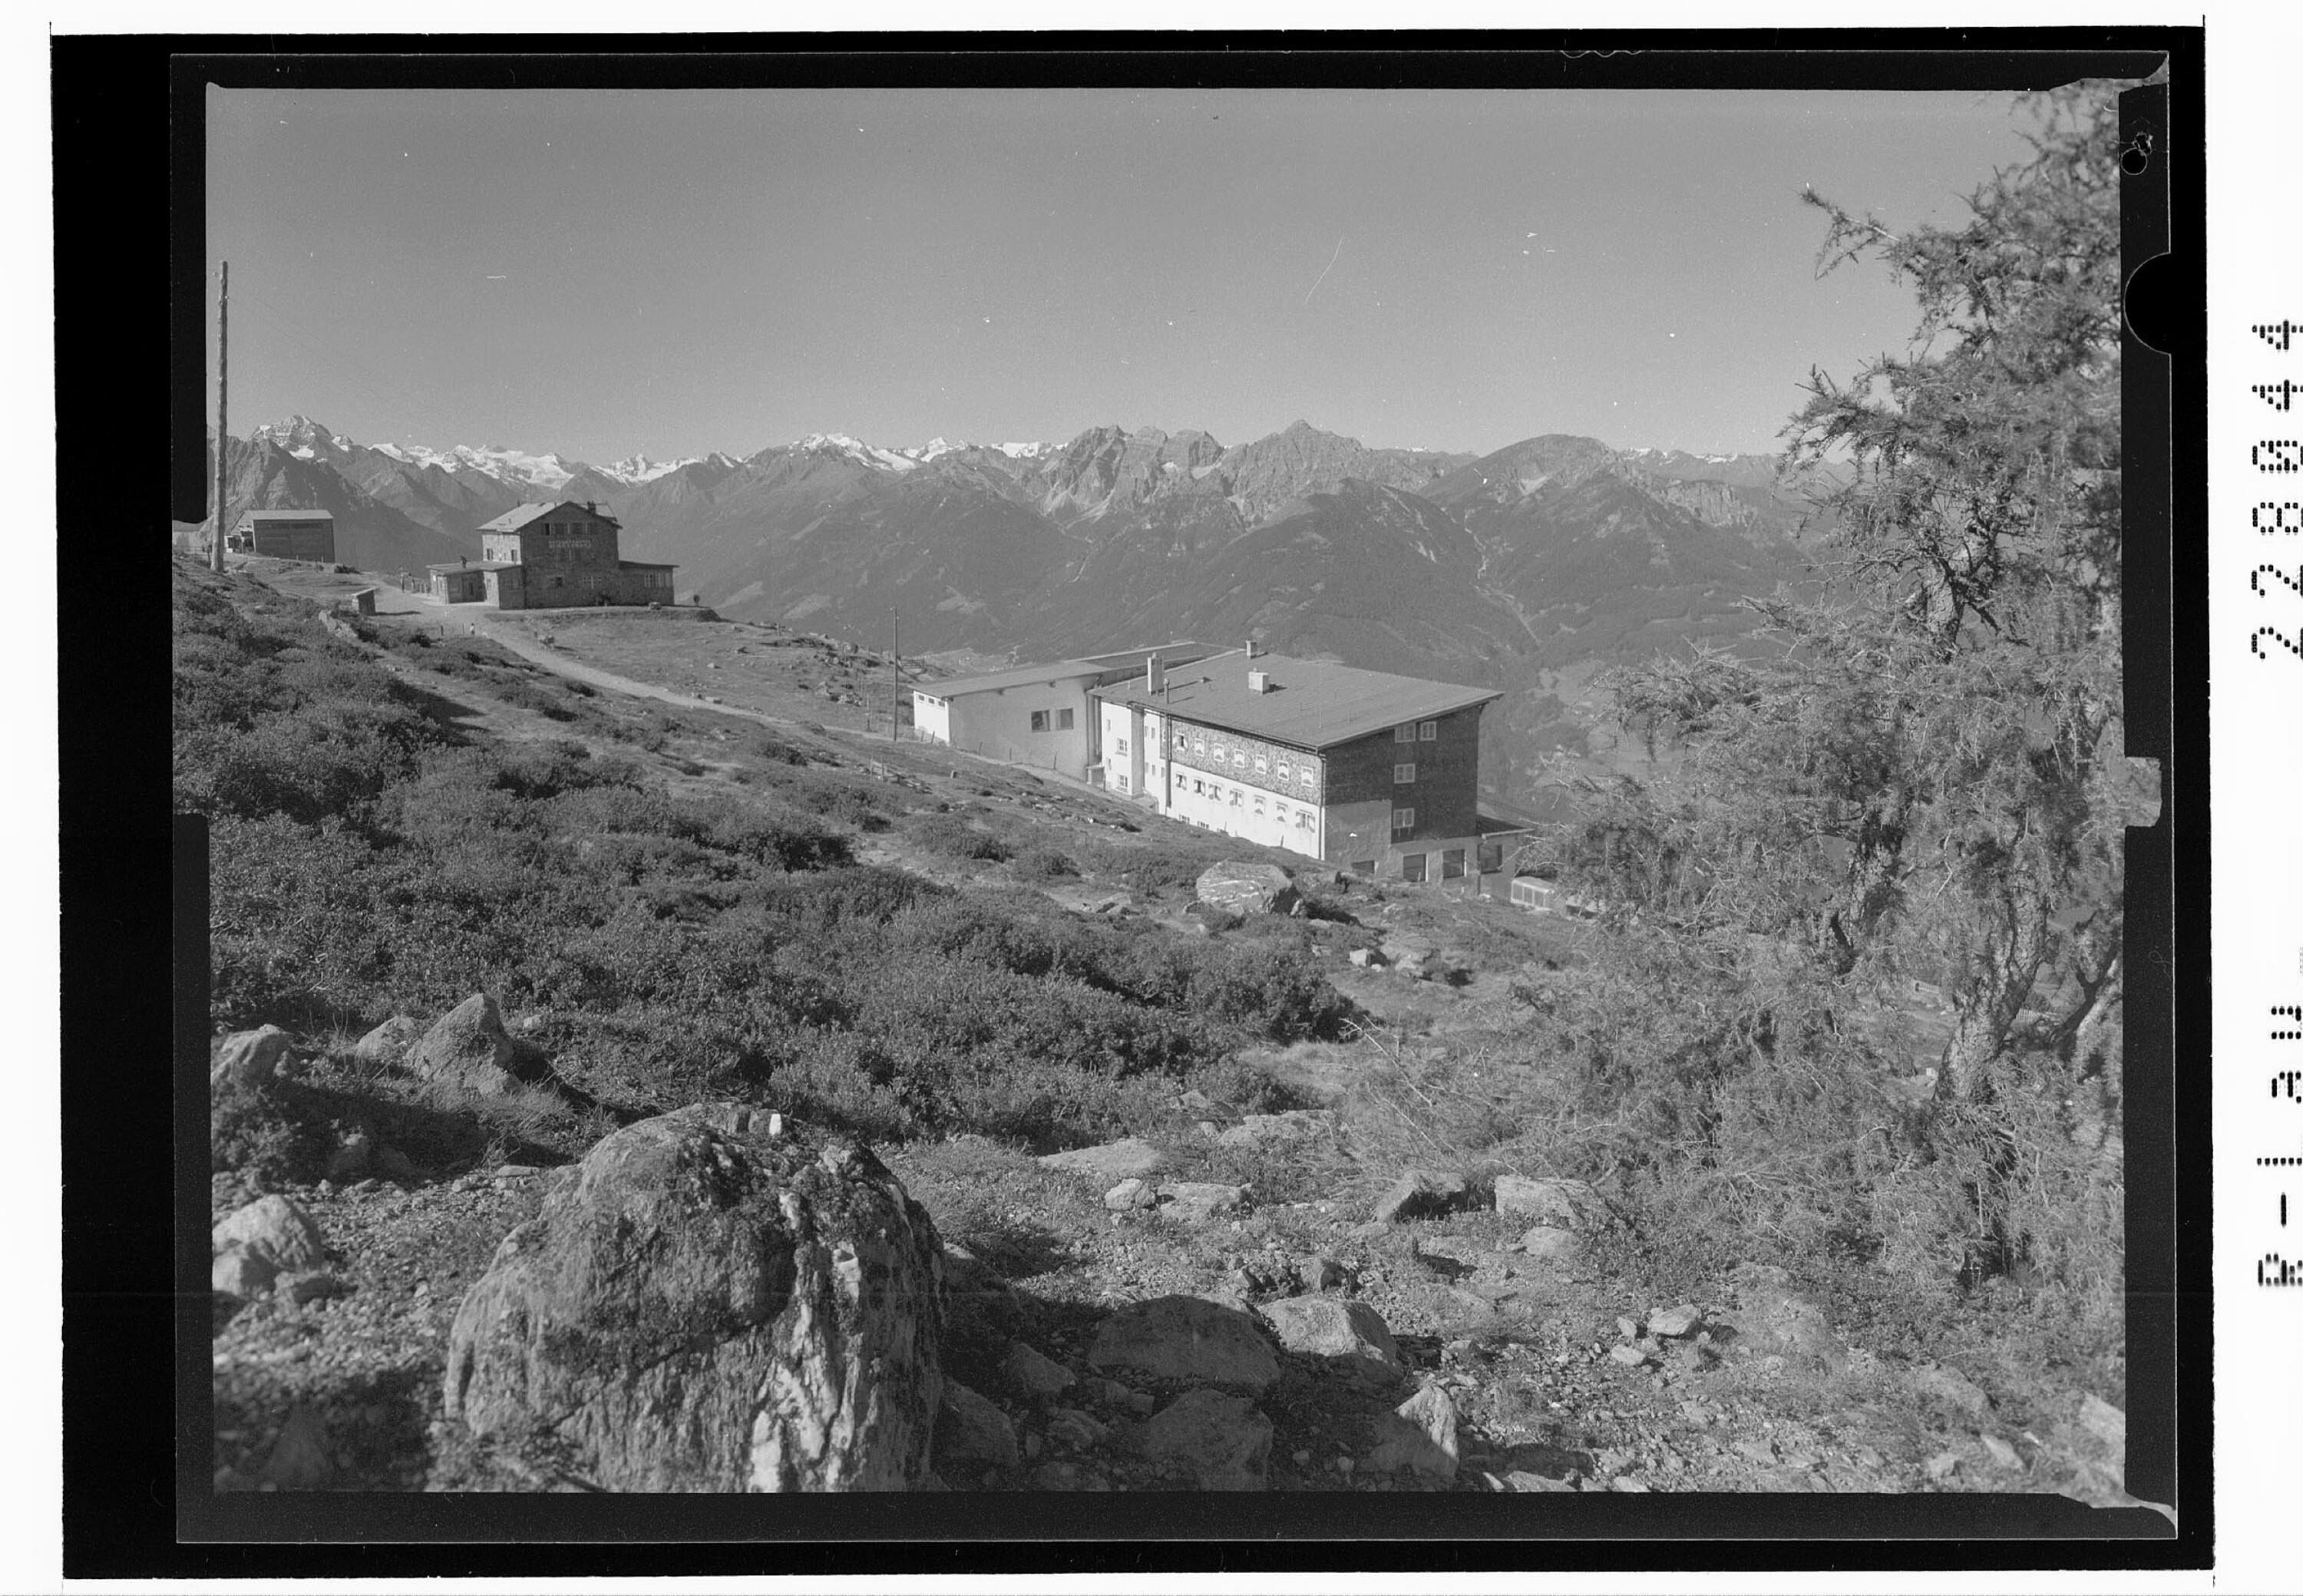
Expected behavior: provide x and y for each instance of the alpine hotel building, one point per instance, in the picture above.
(1376, 772)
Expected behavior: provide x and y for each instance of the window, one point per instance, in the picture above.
(1064, 722)
(1451, 864)
(1283, 770)
(1303, 821)
(1261, 764)
(1403, 820)
(1363, 866)
(1122, 782)
(1402, 772)
(1410, 867)
(1259, 803)
(1403, 734)
(1199, 747)
(1429, 731)
(1234, 797)
(1119, 745)
(1039, 720)
(1239, 758)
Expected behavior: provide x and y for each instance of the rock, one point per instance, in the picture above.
(1628, 1356)
(1545, 1244)
(1199, 1105)
(1568, 1204)
(2002, 1452)
(1219, 1442)
(1415, 963)
(299, 1459)
(249, 1059)
(1029, 1373)
(1130, 1194)
(1521, 1480)
(1421, 1193)
(1627, 1482)
(1186, 1338)
(1759, 1449)
(274, 1228)
(388, 1043)
(1247, 888)
(979, 1305)
(1294, 1126)
(1948, 1385)
(1110, 1163)
(707, 1307)
(468, 1047)
(972, 1433)
(2106, 1423)
(1063, 1473)
(1943, 1466)
(1367, 958)
(1350, 1338)
(1196, 1202)
(393, 1164)
(1316, 1272)
(348, 1161)
(1628, 1328)
(1418, 1436)
(1685, 1319)
(1778, 1323)
(1071, 1428)
(303, 1288)
(239, 1273)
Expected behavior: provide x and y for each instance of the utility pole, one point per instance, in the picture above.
(224, 303)
(895, 668)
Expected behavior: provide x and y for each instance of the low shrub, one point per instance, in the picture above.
(950, 837)
(1043, 863)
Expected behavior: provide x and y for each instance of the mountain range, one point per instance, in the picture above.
(1525, 569)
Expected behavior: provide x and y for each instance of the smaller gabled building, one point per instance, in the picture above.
(286, 534)
(1038, 715)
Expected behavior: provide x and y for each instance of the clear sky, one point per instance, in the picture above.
(672, 272)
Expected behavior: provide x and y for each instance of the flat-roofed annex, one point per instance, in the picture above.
(1311, 704)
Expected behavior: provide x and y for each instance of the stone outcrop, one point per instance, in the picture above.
(1568, 1204)
(1187, 1338)
(468, 1047)
(1423, 1194)
(389, 1043)
(1219, 1442)
(1349, 1339)
(973, 1435)
(1290, 1127)
(1417, 1437)
(1129, 1159)
(249, 1059)
(1244, 889)
(276, 1230)
(710, 1304)
(1196, 1202)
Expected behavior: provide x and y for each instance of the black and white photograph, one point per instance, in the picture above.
(1311, 790)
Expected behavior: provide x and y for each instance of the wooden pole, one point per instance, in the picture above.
(224, 303)
(895, 670)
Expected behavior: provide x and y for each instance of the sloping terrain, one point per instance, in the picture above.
(978, 970)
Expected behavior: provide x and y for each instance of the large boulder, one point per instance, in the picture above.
(713, 1301)
(1186, 1338)
(1197, 1201)
(1247, 888)
(1217, 1442)
(272, 1229)
(1349, 1339)
(972, 1434)
(249, 1058)
(468, 1047)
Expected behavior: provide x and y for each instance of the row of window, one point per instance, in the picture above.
(1063, 723)
(1424, 730)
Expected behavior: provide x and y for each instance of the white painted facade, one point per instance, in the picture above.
(1136, 766)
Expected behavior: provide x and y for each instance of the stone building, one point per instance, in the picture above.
(552, 557)
(1375, 772)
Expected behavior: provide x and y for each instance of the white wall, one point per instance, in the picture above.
(931, 716)
(1243, 819)
(998, 724)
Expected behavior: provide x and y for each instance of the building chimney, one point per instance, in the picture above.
(1155, 674)
(1259, 681)
(463, 560)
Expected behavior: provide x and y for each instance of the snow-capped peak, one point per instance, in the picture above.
(1028, 450)
(302, 437)
(856, 449)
